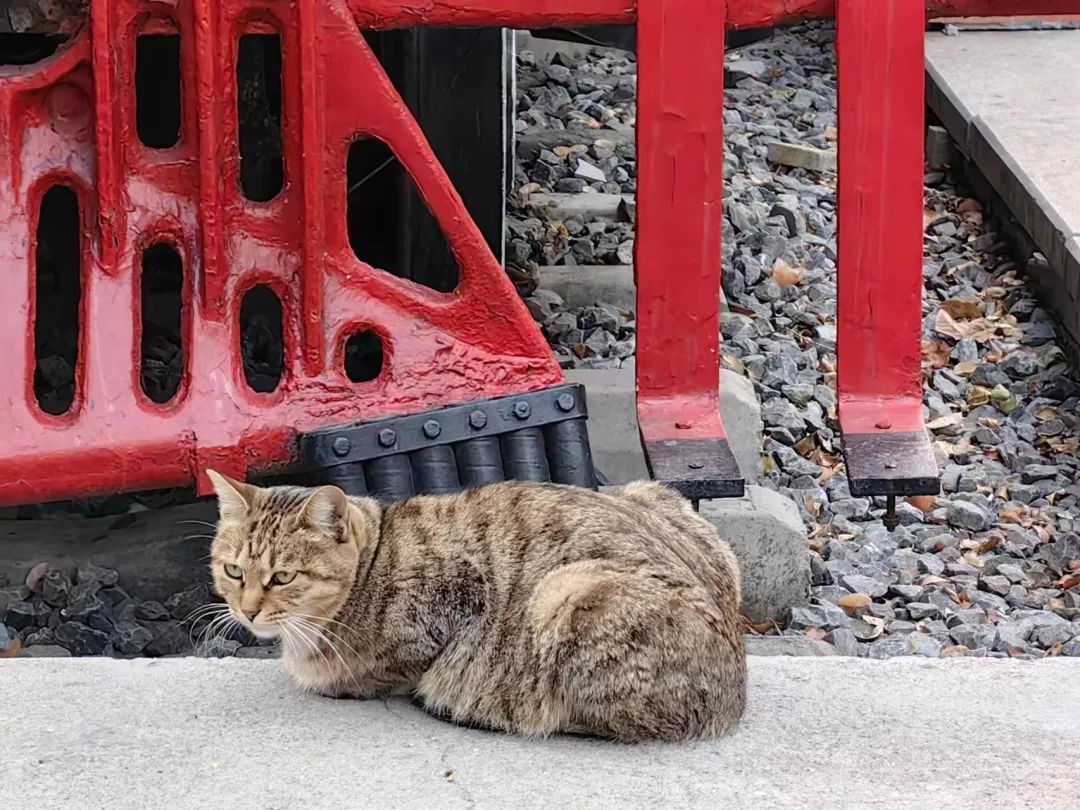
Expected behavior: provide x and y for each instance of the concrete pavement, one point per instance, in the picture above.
(824, 732)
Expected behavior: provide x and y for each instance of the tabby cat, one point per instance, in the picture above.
(531, 608)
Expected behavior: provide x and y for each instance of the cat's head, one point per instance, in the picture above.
(284, 556)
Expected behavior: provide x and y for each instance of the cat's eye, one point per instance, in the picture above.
(283, 577)
(233, 571)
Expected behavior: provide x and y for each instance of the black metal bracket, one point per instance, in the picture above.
(697, 468)
(539, 436)
(891, 464)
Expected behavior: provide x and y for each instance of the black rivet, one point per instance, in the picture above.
(522, 410)
(695, 465)
(565, 402)
(387, 437)
(342, 446)
(432, 428)
(890, 465)
(478, 419)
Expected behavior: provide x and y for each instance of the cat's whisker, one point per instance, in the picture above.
(197, 522)
(208, 632)
(303, 618)
(203, 610)
(333, 648)
(321, 619)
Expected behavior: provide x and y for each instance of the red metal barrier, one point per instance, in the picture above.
(69, 121)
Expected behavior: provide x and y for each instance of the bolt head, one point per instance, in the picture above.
(522, 410)
(342, 446)
(890, 465)
(884, 424)
(695, 465)
(387, 437)
(477, 419)
(565, 402)
(432, 428)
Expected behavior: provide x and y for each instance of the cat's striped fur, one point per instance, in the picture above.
(522, 607)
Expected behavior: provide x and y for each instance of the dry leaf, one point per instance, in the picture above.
(924, 503)
(853, 601)
(760, 628)
(1071, 581)
(945, 325)
(815, 633)
(964, 309)
(936, 353)
(989, 544)
(968, 205)
(785, 275)
(11, 651)
(955, 649)
(942, 422)
(965, 369)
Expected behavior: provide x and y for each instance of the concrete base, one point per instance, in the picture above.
(820, 732)
(768, 537)
(585, 285)
(613, 427)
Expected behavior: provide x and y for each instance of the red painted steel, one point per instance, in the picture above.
(384, 14)
(680, 142)
(70, 120)
(880, 163)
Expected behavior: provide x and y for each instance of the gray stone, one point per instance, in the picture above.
(769, 540)
(969, 516)
(922, 610)
(975, 636)
(856, 583)
(821, 616)
(130, 638)
(1056, 634)
(258, 652)
(80, 639)
(218, 648)
(45, 651)
(843, 640)
(922, 645)
(169, 639)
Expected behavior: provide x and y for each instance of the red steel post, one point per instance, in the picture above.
(880, 162)
(680, 143)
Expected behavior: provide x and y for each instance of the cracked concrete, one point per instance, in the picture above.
(821, 732)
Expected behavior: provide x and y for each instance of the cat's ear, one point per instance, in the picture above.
(326, 511)
(234, 497)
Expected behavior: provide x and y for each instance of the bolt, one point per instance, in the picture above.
(565, 402)
(522, 410)
(695, 465)
(387, 437)
(890, 465)
(432, 428)
(477, 419)
(884, 424)
(891, 519)
(342, 446)
(684, 425)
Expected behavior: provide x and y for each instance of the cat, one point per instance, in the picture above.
(528, 608)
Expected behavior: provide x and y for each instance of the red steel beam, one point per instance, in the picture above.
(384, 14)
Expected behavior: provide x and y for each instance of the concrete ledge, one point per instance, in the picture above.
(585, 285)
(588, 205)
(818, 732)
(1008, 99)
(613, 428)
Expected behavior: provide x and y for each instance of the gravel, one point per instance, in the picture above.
(991, 566)
(86, 611)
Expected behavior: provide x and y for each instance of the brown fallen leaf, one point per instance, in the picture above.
(924, 503)
(964, 309)
(785, 275)
(815, 633)
(1071, 581)
(953, 650)
(944, 324)
(968, 205)
(936, 353)
(853, 601)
